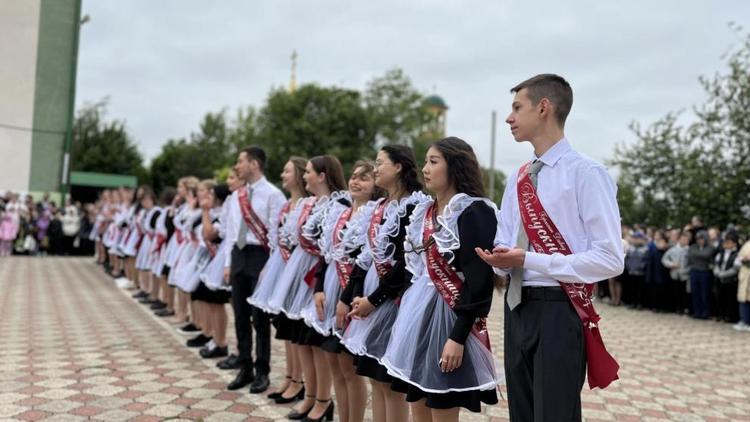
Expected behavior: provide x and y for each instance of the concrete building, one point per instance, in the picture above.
(37, 43)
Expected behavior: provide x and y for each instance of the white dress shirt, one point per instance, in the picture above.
(267, 201)
(581, 199)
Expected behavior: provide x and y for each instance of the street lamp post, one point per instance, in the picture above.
(65, 181)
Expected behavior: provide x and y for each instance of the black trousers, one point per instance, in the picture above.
(728, 309)
(545, 357)
(247, 264)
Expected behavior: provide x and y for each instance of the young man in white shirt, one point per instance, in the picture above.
(572, 222)
(251, 212)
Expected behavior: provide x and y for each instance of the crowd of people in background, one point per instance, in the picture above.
(29, 227)
(696, 270)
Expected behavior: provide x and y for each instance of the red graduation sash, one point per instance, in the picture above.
(160, 241)
(251, 219)
(372, 231)
(444, 277)
(545, 238)
(343, 269)
(308, 245)
(285, 251)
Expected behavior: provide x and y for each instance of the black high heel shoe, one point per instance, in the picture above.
(297, 416)
(299, 396)
(328, 415)
(274, 395)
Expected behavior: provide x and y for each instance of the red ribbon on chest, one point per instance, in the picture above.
(251, 218)
(343, 269)
(445, 278)
(372, 233)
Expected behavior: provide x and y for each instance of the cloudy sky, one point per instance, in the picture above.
(165, 64)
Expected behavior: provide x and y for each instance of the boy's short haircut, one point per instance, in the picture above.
(552, 87)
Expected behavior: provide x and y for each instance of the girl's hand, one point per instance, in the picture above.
(361, 308)
(453, 354)
(341, 310)
(320, 303)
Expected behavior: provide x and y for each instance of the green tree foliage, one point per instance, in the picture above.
(395, 109)
(104, 146)
(214, 146)
(672, 172)
(312, 121)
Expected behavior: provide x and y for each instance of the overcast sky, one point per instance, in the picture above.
(164, 64)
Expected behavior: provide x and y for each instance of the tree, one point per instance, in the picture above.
(311, 121)
(214, 146)
(104, 146)
(672, 172)
(395, 109)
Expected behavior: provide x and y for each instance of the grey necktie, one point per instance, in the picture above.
(516, 275)
(242, 236)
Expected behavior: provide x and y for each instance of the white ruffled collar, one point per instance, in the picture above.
(446, 234)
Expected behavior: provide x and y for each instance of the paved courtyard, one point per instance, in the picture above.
(75, 347)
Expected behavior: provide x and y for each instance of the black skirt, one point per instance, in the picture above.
(285, 327)
(204, 294)
(368, 367)
(470, 400)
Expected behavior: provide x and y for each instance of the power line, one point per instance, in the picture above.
(29, 129)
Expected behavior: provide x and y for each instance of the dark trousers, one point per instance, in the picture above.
(636, 287)
(545, 357)
(659, 299)
(728, 310)
(247, 264)
(679, 296)
(700, 289)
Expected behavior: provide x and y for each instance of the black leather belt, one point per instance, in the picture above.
(554, 294)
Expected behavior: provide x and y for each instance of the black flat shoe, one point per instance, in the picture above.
(297, 416)
(158, 305)
(327, 415)
(299, 396)
(164, 313)
(199, 341)
(260, 384)
(275, 394)
(139, 295)
(214, 352)
(243, 379)
(230, 362)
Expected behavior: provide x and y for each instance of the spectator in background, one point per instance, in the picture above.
(743, 288)
(675, 260)
(696, 225)
(9, 224)
(700, 258)
(88, 219)
(635, 265)
(714, 239)
(615, 284)
(657, 275)
(71, 225)
(42, 220)
(726, 272)
(55, 232)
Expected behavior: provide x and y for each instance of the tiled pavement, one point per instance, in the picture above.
(74, 347)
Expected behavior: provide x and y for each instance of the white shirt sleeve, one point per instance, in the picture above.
(597, 194)
(504, 231)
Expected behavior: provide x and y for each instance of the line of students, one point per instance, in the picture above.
(381, 282)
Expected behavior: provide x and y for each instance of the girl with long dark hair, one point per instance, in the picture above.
(337, 240)
(439, 348)
(380, 275)
(324, 179)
